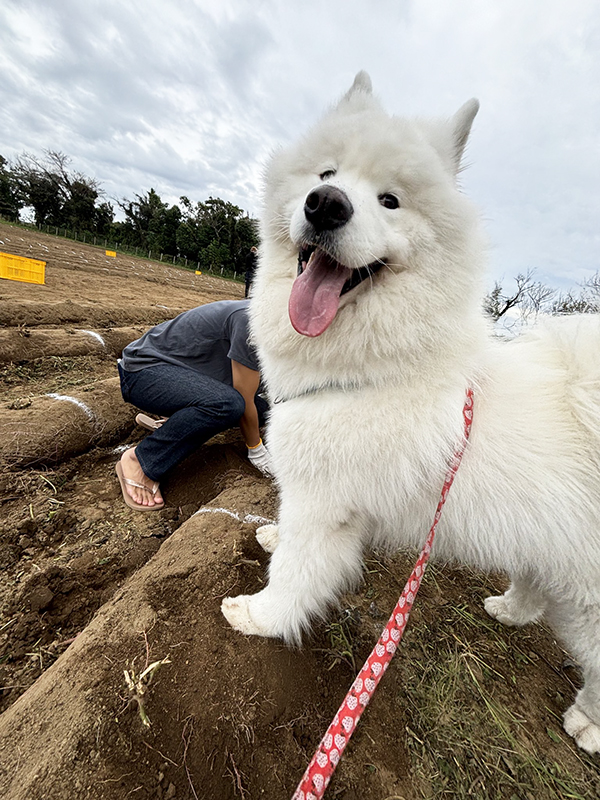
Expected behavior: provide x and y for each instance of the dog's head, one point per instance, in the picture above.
(361, 199)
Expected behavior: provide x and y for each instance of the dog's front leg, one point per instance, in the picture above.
(314, 561)
(268, 537)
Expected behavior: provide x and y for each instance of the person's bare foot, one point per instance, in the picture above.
(133, 471)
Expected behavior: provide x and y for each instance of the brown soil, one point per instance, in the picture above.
(91, 589)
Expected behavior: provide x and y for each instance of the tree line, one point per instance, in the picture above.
(531, 297)
(216, 234)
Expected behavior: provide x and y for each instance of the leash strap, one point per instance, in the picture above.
(320, 770)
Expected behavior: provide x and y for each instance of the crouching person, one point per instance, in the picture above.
(200, 374)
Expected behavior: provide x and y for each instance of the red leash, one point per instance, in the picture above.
(320, 770)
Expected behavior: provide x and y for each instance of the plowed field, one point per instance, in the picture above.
(91, 589)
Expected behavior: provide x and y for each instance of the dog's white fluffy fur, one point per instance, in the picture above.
(371, 408)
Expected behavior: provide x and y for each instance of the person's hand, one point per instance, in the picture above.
(260, 458)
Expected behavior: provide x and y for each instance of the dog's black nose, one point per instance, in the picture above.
(327, 208)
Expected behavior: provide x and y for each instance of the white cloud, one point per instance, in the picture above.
(190, 98)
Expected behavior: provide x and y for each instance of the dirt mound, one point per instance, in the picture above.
(232, 716)
(99, 275)
(48, 429)
(86, 287)
(90, 589)
(21, 344)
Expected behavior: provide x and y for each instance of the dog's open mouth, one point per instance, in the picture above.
(317, 290)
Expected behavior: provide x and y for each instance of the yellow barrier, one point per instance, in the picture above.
(111, 253)
(198, 272)
(18, 268)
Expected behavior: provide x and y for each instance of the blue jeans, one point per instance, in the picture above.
(198, 407)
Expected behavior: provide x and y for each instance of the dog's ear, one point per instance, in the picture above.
(362, 83)
(461, 127)
(359, 96)
(449, 137)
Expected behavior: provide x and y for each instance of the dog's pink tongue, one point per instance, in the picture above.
(315, 294)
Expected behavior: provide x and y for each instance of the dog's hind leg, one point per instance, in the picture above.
(579, 628)
(520, 604)
(314, 562)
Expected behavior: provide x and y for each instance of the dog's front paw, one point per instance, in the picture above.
(268, 537)
(585, 732)
(236, 611)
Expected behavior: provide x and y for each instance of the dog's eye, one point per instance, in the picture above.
(389, 201)
(329, 173)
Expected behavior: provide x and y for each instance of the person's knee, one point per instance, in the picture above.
(234, 405)
(223, 410)
(125, 393)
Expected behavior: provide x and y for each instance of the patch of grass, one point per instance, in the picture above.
(473, 732)
(341, 635)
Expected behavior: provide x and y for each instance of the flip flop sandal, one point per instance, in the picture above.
(128, 499)
(151, 424)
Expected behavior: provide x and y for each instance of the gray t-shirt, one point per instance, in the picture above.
(204, 339)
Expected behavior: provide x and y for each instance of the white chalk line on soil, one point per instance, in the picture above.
(75, 401)
(94, 335)
(248, 518)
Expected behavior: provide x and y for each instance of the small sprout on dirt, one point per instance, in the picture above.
(38, 652)
(554, 736)
(137, 685)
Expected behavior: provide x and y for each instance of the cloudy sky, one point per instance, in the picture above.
(190, 96)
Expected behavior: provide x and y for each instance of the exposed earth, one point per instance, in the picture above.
(91, 589)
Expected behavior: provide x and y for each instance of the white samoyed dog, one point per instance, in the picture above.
(366, 311)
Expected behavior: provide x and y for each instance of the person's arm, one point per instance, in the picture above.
(246, 381)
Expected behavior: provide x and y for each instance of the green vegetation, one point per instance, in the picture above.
(473, 708)
(483, 703)
(214, 235)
